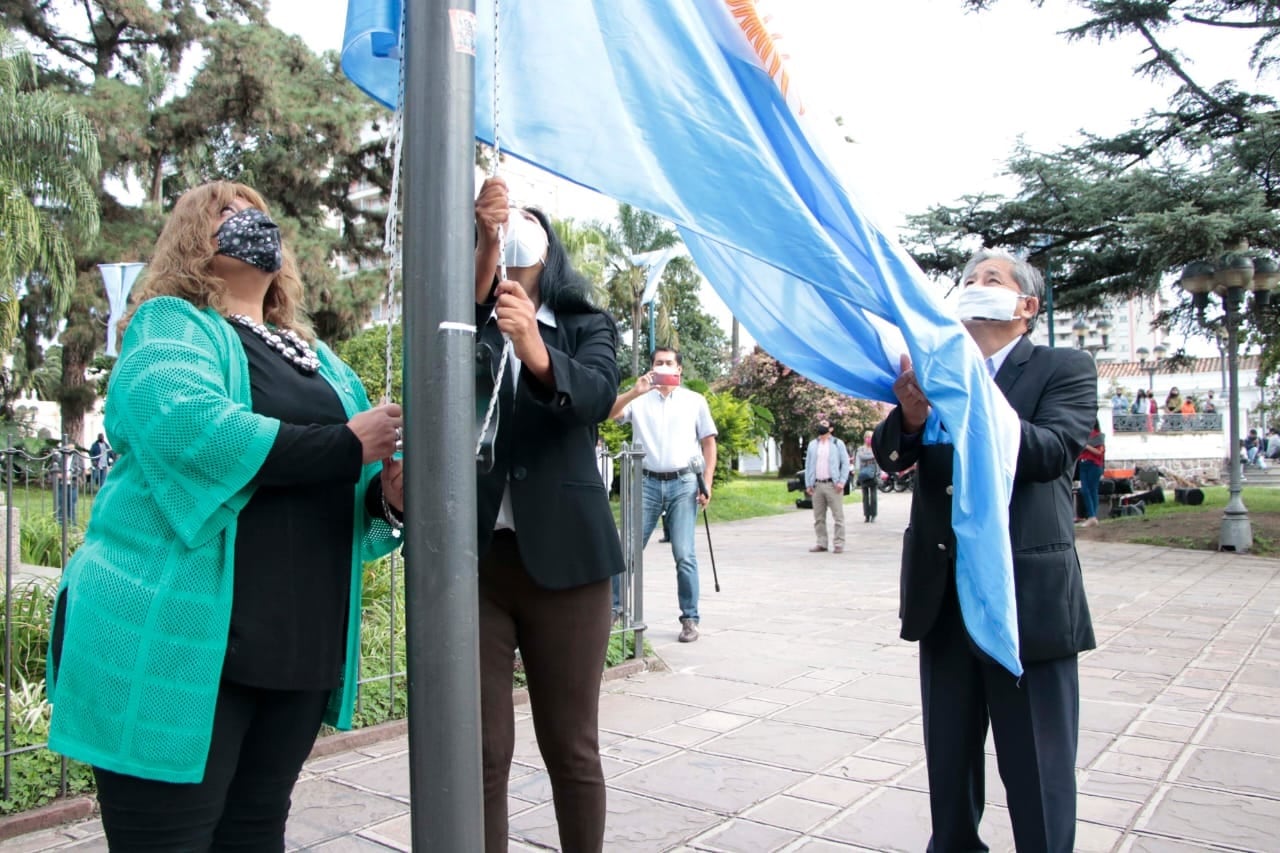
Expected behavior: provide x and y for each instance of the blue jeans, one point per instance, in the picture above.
(679, 500)
(1090, 477)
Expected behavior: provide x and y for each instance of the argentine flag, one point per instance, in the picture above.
(685, 108)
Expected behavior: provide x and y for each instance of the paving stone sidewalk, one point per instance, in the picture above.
(793, 724)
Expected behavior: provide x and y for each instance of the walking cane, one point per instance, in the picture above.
(702, 490)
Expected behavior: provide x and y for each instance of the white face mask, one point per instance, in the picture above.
(987, 303)
(526, 242)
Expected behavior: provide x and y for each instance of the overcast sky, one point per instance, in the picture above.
(935, 98)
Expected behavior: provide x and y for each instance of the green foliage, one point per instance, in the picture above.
(366, 353)
(796, 404)
(635, 233)
(35, 775)
(741, 425)
(682, 323)
(31, 605)
(1110, 217)
(382, 644)
(622, 646)
(260, 108)
(48, 172)
(41, 539)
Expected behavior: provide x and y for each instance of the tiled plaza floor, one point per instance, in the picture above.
(794, 722)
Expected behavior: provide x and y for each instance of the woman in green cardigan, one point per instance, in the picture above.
(211, 620)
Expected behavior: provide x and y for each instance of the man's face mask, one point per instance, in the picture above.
(823, 429)
(978, 302)
(526, 242)
(252, 237)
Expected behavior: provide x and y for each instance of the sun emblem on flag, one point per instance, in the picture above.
(764, 44)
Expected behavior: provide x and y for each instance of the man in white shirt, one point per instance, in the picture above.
(674, 427)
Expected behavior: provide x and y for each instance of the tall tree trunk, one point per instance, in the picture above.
(791, 456)
(733, 345)
(76, 395)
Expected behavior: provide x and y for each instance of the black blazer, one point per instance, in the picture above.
(1054, 392)
(546, 450)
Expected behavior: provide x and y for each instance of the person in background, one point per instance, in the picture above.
(68, 479)
(1210, 407)
(1119, 402)
(826, 469)
(1139, 406)
(547, 542)
(1173, 402)
(99, 459)
(210, 622)
(1273, 443)
(868, 473)
(1251, 445)
(1035, 718)
(673, 424)
(1092, 461)
(1188, 406)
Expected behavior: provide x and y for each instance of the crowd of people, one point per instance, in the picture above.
(1172, 414)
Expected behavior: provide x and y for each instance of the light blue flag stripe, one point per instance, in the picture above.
(664, 106)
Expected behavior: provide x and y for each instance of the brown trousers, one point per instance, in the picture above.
(562, 636)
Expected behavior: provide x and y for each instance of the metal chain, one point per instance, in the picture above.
(391, 232)
(502, 238)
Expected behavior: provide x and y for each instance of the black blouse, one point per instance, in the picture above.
(294, 536)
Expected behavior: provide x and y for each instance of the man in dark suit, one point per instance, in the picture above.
(1035, 720)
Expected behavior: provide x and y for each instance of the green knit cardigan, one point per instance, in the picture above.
(148, 595)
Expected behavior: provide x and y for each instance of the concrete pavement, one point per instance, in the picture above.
(794, 722)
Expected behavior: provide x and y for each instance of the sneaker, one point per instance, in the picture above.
(816, 548)
(1089, 522)
(839, 549)
(689, 629)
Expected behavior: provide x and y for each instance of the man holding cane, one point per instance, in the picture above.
(672, 425)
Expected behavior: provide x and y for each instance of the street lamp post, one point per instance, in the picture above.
(1151, 367)
(1084, 330)
(1229, 277)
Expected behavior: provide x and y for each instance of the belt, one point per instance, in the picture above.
(667, 475)
(824, 481)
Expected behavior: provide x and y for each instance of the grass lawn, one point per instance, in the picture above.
(1196, 527)
(751, 497)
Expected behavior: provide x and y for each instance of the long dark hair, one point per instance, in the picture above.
(560, 287)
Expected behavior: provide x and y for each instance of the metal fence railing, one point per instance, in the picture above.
(631, 530)
(48, 499)
(1168, 422)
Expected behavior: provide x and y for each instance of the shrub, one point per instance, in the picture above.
(41, 541)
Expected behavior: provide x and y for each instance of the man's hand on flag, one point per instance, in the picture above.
(915, 405)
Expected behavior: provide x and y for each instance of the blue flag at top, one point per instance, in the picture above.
(683, 108)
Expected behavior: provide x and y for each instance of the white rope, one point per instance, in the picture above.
(502, 238)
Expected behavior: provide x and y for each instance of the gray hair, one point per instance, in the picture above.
(1029, 280)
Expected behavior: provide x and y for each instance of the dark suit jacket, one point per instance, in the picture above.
(1054, 392)
(546, 450)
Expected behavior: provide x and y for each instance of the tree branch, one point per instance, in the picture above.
(1167, 59)
(1239, 25)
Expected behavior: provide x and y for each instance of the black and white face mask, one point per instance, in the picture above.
(252, 237)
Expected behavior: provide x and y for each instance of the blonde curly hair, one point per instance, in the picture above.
(182, 263)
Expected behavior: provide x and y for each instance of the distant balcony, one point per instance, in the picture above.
(1201, 422)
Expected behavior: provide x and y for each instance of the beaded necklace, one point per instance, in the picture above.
(284, 341)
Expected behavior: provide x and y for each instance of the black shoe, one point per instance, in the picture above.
(664, 539)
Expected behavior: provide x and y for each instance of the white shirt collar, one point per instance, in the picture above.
(997, 358)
